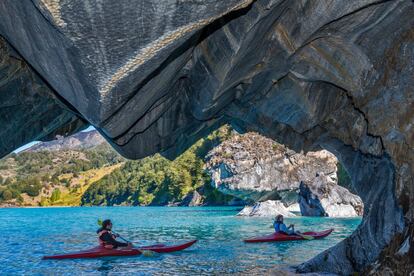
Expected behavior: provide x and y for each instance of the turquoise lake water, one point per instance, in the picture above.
(30, 233)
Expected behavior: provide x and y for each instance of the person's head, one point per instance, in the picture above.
(107, 224)
(279, 218)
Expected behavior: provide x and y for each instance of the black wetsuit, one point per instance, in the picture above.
(109, 239)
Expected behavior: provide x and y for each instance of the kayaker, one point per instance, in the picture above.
(280, 227)
(108, 239)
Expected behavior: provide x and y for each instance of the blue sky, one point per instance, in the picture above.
(28, 145)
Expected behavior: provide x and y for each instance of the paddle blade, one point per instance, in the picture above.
(148, 253)
(99, 222)
(306, 237)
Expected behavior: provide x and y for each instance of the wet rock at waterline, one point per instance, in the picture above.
(324, 198)
(268, 208)
(294, 208)
(192, 199)
(309, 74)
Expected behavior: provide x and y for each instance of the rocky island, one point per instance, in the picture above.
(258, 169)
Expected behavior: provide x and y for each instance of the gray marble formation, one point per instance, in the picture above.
(154, 76)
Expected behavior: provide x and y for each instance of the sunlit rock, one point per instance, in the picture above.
(257, 168)
(268, 208)
(325, 198)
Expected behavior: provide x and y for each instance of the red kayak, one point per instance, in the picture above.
(279, 237)
(100, 251)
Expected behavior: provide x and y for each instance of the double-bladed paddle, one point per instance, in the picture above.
(305, 237)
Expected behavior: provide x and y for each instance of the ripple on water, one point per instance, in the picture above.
(28, 234)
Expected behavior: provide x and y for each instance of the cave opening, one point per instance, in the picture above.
(311, 75)
(273, 179)
(304, 185)
(372, 178)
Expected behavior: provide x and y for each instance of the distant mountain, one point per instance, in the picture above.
(81, 140)
(56, 172)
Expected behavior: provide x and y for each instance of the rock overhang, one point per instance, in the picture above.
(309, 74)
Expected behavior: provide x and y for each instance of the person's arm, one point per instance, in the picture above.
(106, 237)
(283, 228)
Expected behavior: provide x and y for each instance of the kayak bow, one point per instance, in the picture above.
(279, 237)
(99, 251)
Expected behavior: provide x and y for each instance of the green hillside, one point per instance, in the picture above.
(157, 181)
(43, 177)
(99, 176)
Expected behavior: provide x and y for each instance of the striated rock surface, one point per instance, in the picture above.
(268, 208)
(102, 58)
(29, 109)
(256, 168)
(324, 197)
(310, 74)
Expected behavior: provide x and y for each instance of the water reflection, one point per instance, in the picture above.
(106, 266)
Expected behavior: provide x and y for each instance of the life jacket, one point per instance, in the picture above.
(103, 243)
(277, 225)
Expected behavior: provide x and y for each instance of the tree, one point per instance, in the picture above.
(55, 180)
(7, 195)
(31, 186)
(55, 195)
(7, 182)
(45, 178)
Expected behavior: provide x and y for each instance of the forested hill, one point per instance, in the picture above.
(157, 181)
(47, 174)
(84, 169)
